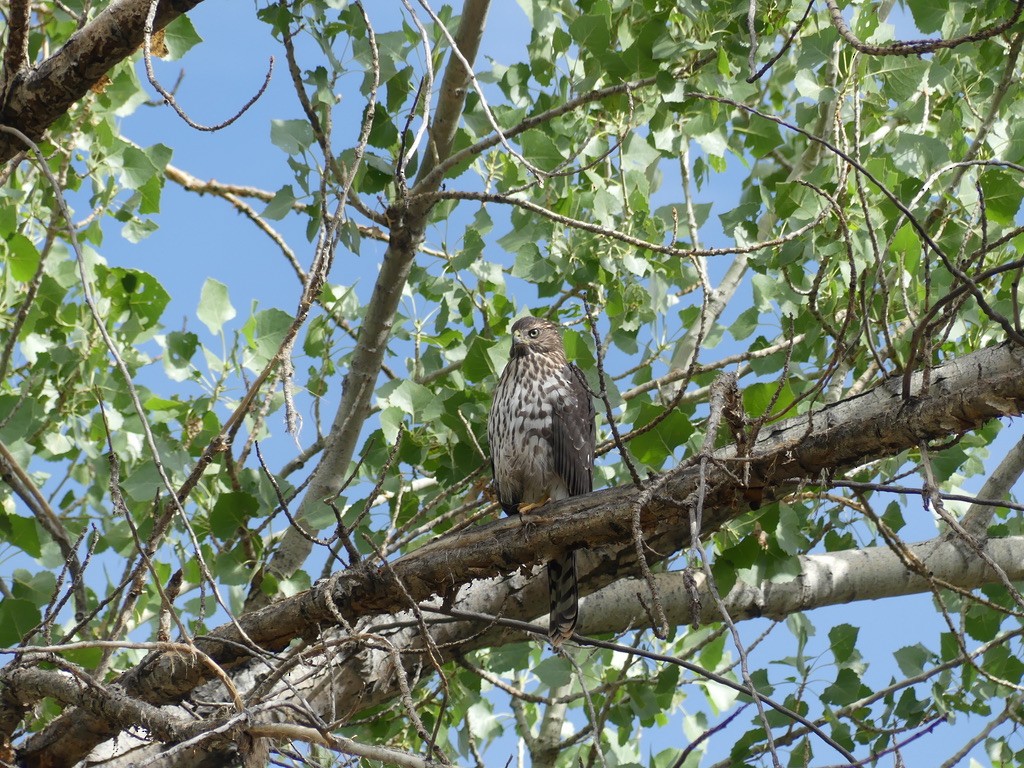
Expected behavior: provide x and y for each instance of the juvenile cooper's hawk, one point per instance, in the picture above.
(541, 431)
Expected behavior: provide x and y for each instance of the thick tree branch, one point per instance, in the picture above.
(963, 394)
(16, 50)
(29, 685)
(850, 576)
(38, 96)
(822, 580)
(997, 485)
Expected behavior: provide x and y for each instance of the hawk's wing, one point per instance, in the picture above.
(573, 435)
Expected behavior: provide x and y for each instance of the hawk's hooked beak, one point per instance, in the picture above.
(518, 344)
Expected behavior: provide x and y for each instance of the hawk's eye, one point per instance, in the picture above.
(533, 333)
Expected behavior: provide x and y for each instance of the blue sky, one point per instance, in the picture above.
(202, 237)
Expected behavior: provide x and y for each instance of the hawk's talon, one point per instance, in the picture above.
(525, 509)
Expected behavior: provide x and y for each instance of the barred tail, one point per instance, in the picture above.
(564, 598)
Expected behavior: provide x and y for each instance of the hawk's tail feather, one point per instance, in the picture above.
(564, 597)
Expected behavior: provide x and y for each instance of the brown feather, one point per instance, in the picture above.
(542, 435)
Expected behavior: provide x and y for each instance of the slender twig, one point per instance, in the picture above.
(175, 503)
(19, 481)
(721, 392)
(423, 96)
(147, 55)
(923, 234)
(609, 232)
(745, 688)
(754, 76)
(457, 53)
(917, 47)
(603, 395)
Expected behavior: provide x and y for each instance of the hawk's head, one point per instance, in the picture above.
(536, 336)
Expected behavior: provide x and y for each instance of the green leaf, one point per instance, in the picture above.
(483, 358)
(137, 300)
(720, 697)
(745, 324)
(265, 331)
(87, 658)
(17, 618)
(23, 257)
(137, 230)
(506, 658)
(140, 165)
(918, 155)
(789, 532)
(149, 195)
(541, 150)
(235, 567)
(758, 397)
(143, 483)
(124, 93)
(231, 512)
(36, 587)
(553, 672)
(928, 15)
(846, 689)
(293, 136)
(843, 641)
(391, 421)
(180, 37)
(21, 531)
(912, 659)
(281, 204)
(982, 623)
(655, 446)
(412, 399)
(763, 137)
(214, 305)
(1003, 195)
(482, 722)
(180, 346)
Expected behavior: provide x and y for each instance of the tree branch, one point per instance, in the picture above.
(16, 51)
(38, 96)
(998, 484)
(836, 578)
(408, 221)
(823, 580)
(963, 394)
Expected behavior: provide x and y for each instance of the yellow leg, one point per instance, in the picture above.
(526, 508)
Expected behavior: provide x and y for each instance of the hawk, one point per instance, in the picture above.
(541, 432)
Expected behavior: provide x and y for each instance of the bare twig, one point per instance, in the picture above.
(754, 76)
(746, 688)
(603, 394)
(722, 391)
(147, 55)
(18, 480)
(917, 47)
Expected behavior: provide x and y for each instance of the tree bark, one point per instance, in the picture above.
(963, 394)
